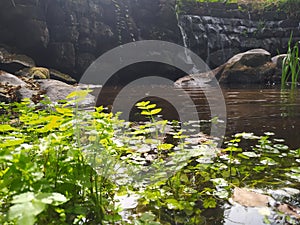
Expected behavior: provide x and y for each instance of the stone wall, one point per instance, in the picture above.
(217, 31)
(69, 34)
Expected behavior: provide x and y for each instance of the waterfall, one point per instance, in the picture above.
(186, 43)
(123, 21)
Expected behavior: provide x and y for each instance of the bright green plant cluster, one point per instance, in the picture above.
(291, 65)
(60, 166)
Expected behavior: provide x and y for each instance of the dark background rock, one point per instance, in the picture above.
(68, 35)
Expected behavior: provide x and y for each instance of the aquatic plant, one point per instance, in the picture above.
(58, 166)
(290, 65)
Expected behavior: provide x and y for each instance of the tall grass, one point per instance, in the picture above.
(290, 65)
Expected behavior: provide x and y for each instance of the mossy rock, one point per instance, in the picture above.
(45, 73)
(35, 72)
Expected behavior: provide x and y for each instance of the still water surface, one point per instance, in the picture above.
(249, 109)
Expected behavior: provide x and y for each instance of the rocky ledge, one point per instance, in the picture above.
(20, 78)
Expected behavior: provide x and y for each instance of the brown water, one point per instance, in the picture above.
(249, 109)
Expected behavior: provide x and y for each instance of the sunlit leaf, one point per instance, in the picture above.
(6, 127)
(209, 203)
(165, 146)
(155, 111)
(142, 104)
(250, 154)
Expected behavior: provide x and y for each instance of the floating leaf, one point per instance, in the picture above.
(289, 210)
(249, 198)
(250, 154)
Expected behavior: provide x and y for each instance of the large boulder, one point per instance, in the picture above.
(250, 67)
(13, 88)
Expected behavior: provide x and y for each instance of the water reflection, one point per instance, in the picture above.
(249, 108)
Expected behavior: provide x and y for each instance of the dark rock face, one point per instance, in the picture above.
(217, 38)
(68, 35)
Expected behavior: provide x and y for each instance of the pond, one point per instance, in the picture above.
(249, 109)
(272, 169)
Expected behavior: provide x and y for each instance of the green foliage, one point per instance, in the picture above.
(290, 65)
(58, 166)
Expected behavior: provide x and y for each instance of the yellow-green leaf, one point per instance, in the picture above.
(6, 127)
(155, 111)
(65, 111)
(165, 146)
(141, 104)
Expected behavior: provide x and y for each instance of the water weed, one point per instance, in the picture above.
(290, 65)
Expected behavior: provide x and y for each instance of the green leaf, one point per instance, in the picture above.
(13, 142)
(209, 203)
(28, 209)
(6, 127)
(173, 204)
(250, 154)
(65, 111)
(78, 93)
(24, 197)
(146, 113)
(165, 146)
(155, 111)
(51, 198)
(142, 104)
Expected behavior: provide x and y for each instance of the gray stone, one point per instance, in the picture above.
(11, 80)
(251, 67)
(57, 90)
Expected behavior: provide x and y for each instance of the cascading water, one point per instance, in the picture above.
(123, 22)
(185, 41)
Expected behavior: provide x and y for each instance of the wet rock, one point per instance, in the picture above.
(251, 67)
(62, 56)
(13, 62)
(277, 60)
(57, 90)
(13, 88)
(35, 72)
(83, 61)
